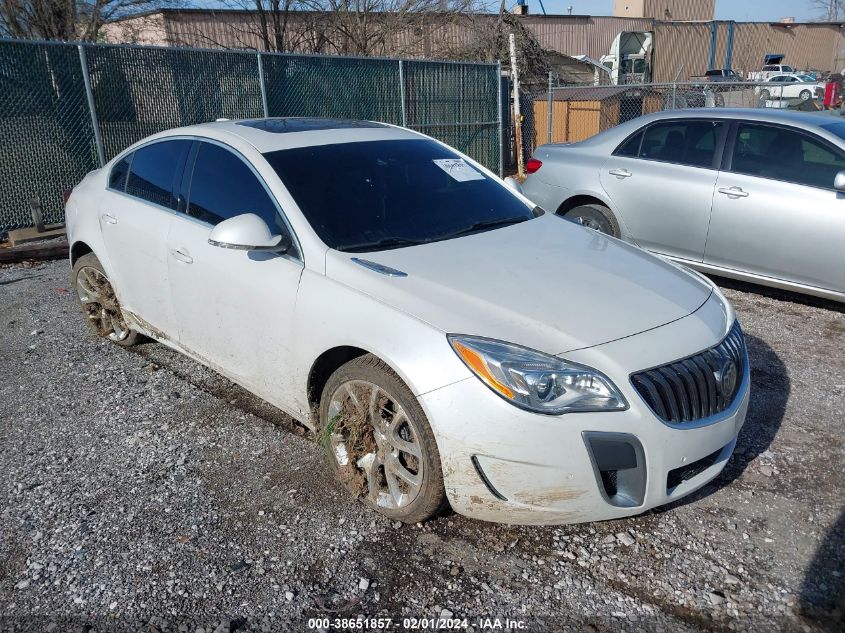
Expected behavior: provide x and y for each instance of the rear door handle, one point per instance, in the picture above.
(182, 255)
(733, 192)
(620, 173)
(109, 218)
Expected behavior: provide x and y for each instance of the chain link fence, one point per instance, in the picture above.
(66, 108)
(568, 114)
(46, 129)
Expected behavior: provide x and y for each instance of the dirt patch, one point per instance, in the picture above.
(349, 434)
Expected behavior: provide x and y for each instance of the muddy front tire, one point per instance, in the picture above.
(379, 443)
(99, 302)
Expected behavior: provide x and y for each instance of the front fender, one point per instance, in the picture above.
(329, 314)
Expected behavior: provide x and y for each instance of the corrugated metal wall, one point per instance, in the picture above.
(806, 46)
(681, 49)
(579, 35)
(680, 9)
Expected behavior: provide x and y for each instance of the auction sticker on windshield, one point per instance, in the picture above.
(458, 169)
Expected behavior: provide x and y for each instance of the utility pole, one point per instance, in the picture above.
(517, 116)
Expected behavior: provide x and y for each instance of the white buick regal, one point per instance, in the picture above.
(446, 340)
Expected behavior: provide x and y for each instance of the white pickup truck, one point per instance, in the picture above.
(772, 65)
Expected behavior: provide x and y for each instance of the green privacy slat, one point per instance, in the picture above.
(335, 87)
(141, 91)
(47, 135)
(457, 104)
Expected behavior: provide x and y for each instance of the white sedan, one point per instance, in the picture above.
(446, 340)
(789, 86)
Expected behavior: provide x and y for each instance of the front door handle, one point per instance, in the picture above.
(733, 192)
(109, 218)
(182, 255)
(620, 173)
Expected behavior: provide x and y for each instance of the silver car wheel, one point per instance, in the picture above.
(371, 432)
(589, 223)
(100, 303)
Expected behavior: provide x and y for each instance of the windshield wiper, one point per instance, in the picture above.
(482, 226)
(383, 244)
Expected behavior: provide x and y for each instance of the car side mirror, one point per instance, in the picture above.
(839, 181)
(248, 232)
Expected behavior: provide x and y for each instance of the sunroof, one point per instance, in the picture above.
(286, 126)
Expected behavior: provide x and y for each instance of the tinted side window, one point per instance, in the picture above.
(117, 177)
(222, 186)
(683, 142)
(630, 147)
(154, 170)
(785, 154)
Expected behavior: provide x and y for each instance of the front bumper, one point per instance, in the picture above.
(507, 465)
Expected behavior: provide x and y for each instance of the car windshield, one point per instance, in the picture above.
(807, 78)
(376, 195)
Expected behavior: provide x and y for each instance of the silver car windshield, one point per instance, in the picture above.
(376, 195)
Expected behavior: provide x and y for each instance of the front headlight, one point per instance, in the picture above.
(535, 381)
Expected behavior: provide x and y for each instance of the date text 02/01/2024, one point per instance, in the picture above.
(415, 624)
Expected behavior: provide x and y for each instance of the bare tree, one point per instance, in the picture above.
(351, 27)
(67, 19)
(486, 39)
(829, 10)
(388, 27)
(265, 25)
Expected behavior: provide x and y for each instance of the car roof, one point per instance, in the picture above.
(276, 133)
(767, 115)
(613, 136)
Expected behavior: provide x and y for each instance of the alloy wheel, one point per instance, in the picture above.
(100, 304)
(375, 444)
(590, 223)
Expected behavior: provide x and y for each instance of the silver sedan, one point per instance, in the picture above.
(756, 195)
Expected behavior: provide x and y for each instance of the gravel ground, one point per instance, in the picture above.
(141, 491)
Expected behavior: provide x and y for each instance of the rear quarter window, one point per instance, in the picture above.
(154, 171)
(117, 177)
(631, 146)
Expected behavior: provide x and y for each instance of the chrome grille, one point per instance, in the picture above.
(698, 386)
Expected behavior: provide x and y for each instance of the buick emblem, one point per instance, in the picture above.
(726, 377)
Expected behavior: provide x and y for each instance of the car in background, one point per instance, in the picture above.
(718, 75)
(753, 194)
(445, 339)
(770, 70)
(790, 86)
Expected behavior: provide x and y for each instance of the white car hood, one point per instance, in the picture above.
(546, 284)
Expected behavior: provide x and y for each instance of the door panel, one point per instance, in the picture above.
(135, 217)
(234, 308)
(783, 230)
(661, 185)
(665, 207)
(775, 212)
(135, 235)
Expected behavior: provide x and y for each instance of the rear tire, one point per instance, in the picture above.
(765, 95)
(378, 441)
(594, 216)
(99, 302)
